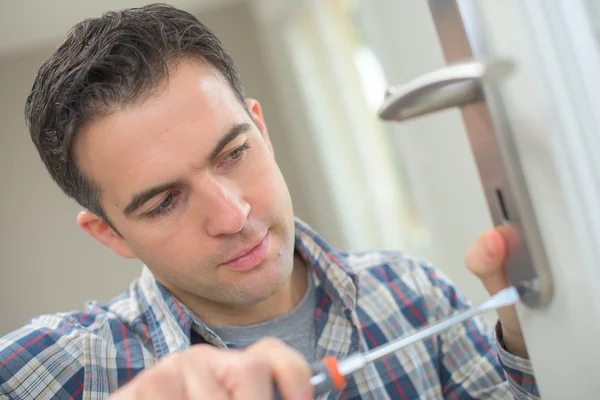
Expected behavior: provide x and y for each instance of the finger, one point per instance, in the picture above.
(198, 368)
(486, 258)
(245, 375)
(180, 376)
(152, 384)
(289, 369)
(511, 237)
(486, 252)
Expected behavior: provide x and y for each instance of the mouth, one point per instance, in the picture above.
(250, 257)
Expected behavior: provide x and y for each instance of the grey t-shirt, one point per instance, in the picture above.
(296, 328)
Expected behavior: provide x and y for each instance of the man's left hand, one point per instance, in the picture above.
(486, 259)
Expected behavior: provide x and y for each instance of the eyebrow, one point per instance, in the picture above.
(234, 132)
(140, 198)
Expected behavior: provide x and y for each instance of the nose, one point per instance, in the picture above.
(226, 210)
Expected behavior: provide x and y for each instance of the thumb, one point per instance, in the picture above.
(486, 259)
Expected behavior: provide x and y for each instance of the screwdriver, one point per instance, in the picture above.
(330, 374)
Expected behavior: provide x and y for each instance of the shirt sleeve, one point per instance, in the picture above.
(518, 371)
(41, 362)
(70, 356)
(473, 363)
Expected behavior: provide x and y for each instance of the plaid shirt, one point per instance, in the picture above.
(363, 301)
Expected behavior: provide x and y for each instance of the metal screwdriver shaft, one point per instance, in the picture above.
(324, 379)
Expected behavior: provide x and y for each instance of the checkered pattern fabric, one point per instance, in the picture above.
(363, 300)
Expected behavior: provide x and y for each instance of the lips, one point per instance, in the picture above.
(244, 252)
(250, 256)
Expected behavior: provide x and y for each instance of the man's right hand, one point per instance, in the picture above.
(206, 372)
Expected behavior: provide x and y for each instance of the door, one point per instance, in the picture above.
(525, 76)
(496, 123)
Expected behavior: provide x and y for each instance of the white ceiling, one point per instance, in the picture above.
(30, 23)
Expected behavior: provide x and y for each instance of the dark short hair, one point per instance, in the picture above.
(103, 63)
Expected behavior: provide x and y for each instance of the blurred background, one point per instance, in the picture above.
(320, 70)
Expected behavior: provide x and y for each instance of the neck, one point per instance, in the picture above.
(280, 303)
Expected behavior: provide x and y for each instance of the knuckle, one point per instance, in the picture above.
(255, 363)
(250, 365)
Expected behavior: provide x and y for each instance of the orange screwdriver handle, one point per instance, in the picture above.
(328, 368)
(335, 380)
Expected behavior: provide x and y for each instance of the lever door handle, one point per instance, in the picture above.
(495, 154)
(451, 86)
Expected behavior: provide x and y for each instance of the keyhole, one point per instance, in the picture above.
(502, 205)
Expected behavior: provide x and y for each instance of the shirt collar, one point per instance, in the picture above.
(331, 270)
(171, 322)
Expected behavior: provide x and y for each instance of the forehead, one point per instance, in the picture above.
(148, 143)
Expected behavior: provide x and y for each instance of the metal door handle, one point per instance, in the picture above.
(493, 148)
(451, 86)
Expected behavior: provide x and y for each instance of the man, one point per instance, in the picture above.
(140, 116)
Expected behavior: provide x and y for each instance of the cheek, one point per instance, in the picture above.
(176, 244)
(265, 184)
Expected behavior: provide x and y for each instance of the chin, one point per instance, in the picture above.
(265, 283)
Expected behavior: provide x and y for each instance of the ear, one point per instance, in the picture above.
(99, 230)
(257, 115)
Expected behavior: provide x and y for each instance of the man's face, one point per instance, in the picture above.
(189, 180)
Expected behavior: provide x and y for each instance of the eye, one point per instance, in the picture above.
(236, 154)
(165, 206)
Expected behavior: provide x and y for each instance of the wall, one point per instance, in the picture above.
(46, 263)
